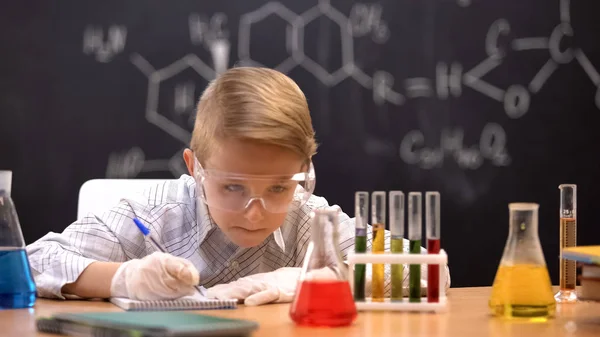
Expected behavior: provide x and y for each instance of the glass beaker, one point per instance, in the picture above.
(522, 286)
(323, 295)
(17, 287)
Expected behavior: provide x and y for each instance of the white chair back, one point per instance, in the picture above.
(99, 195)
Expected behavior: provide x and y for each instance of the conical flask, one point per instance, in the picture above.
(323, 295)
(522, 287)
(17, 288)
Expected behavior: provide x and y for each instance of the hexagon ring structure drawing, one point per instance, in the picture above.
(254, 17)
(155, 77)
(348, 67)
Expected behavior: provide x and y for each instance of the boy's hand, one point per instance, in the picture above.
(278, 286)
(157, 276)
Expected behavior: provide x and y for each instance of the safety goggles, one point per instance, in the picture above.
(235, 192)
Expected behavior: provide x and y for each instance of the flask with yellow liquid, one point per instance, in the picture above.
(522, 287)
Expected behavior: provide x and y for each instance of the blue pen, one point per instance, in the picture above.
(146, 231)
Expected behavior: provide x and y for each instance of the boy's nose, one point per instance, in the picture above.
(254, 211)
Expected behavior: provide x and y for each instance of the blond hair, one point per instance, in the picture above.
(253, 104)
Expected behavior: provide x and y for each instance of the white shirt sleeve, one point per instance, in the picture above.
(59, 258)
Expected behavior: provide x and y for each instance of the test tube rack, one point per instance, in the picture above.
(440, 259)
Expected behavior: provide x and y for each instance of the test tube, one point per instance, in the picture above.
(414, 236)
(397, 232)
(432, 223)
(568, 238)
(361, 214)
(378, 223)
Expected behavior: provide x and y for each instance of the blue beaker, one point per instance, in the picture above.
(17, 287)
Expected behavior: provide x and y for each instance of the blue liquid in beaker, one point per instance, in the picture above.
(17, 288)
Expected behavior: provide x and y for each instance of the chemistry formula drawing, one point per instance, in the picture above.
(364, 20)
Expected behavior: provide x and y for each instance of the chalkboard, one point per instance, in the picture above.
(487, 102)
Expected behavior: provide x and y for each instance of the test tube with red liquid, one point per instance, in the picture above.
(432, 223)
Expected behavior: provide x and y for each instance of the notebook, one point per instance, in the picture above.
(585, 254)
(192, 302)
(146, 324)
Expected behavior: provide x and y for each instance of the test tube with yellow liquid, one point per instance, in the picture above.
(522, 286)
(568, 238)
(378, 246)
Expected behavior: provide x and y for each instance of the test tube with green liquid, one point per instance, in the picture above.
(361, 216)
(414, 236)
(397, 232)
(378, 206)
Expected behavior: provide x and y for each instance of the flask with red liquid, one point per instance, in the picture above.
(323, 296)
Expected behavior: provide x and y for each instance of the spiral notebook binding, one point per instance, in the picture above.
(184, 304)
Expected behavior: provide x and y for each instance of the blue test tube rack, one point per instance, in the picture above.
(440, 259)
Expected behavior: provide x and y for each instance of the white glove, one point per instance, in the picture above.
(278, 286)
(158, 276)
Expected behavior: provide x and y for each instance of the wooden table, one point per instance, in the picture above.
(467, 316)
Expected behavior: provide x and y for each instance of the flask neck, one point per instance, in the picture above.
(524, 229)
(5, 183)
(323, 237)
(10, 227)
(523, 223)
(523, 244)
(323, 251)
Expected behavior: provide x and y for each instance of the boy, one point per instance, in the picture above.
(237, 224)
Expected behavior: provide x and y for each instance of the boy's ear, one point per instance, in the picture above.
(188, 157)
